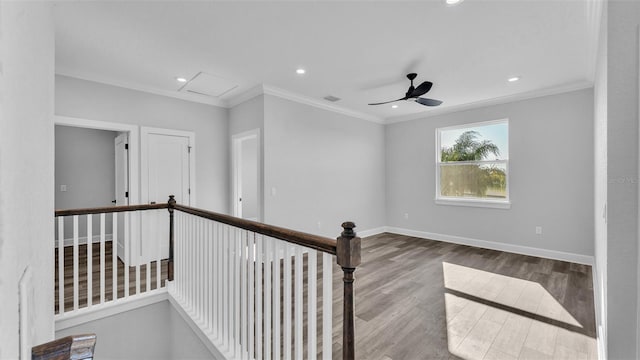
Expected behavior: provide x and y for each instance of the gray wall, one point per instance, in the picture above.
(26, 172)
(96, 101)
(155, 331)
(622, 172)
(325, 167)
(247, 116)
(244, 117)
(550, 174)
(85, 162)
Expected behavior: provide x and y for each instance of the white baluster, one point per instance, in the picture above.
(276, 299)
(197, 264)
(243, 293)
(236, 284)
(127, 253)
(226, 293)
(159, 258)
(268, 263)
(298, 303)
(287, 302)
(60, 265)
(312, 274)
(258, 309)
(76, 265)
(251, 255)
(327, 303)
(114, 255)
(89, 260)
(210, 276)
(102, 257)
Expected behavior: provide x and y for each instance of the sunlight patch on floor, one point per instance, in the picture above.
(538, 327)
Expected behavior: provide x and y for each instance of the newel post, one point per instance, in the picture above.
(348, 254)
(172, 204)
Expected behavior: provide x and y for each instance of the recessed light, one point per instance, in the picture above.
(181, 79)
(300, 71)
(453, 2)
(394, 106)
(514, 79)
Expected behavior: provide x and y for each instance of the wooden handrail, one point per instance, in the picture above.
(110, 209)
(347, 249)
(321, 243)
(74, 347)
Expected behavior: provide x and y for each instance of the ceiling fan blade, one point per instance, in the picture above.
(386, 102)
(428, 102)
(422, 89)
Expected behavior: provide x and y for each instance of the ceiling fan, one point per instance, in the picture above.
(416, 92)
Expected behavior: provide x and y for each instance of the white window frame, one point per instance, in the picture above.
(473, 202)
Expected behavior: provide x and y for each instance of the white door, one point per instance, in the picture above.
(246, 175)
(122, 190)
(166, 161)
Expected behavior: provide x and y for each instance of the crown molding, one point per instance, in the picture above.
(147, 89)
(288, 95)
(263, 89)
(580, 85)
(271, 90)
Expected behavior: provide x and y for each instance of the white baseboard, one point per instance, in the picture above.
(83, 240)
(518, 249)
(371, 232)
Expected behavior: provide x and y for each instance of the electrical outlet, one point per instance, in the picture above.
(538, 230)
(273, 191)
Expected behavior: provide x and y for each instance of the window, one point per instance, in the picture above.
(472, 164)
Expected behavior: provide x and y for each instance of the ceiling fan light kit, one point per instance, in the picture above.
(414, 93)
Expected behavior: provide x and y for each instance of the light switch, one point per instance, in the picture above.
(63, 187)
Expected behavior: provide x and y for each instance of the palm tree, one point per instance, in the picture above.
(467, 148)
(470, 179)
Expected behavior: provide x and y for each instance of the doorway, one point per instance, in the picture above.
(246, 159)
(95, 163)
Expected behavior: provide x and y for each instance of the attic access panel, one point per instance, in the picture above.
(208, 85)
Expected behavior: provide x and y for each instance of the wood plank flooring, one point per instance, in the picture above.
(424, 299)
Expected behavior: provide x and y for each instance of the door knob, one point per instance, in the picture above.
(152, 203)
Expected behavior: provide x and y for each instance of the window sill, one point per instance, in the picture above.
(474, 203)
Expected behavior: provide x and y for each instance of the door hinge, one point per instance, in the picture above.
(126, 194)
(189, 191)
(126, 146)
(189, 149)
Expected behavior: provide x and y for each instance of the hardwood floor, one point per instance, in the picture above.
(82, 276)
(423, 299)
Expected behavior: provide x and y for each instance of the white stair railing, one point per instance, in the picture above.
(255, 296)
(257, 291)
(91, 245)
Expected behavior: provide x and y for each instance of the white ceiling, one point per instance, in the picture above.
(359, 51)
